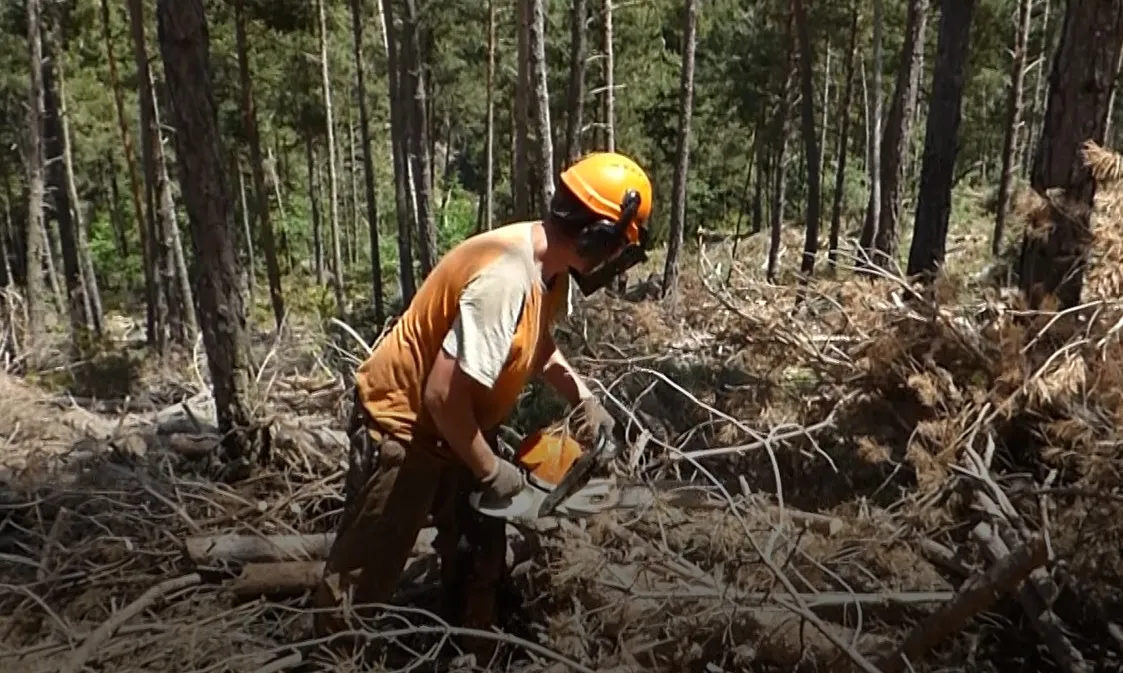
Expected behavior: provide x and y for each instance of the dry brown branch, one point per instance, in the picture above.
(89, 646)
(976, 595)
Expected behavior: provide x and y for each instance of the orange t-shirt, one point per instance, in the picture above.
(486, 304)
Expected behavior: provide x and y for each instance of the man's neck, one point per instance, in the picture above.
(546, 248)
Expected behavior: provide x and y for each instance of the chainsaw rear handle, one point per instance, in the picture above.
(604, 450)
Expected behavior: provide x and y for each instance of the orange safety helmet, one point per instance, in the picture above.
(548, 455)
(601, 180)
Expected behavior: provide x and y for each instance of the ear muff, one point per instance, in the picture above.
(605, 234)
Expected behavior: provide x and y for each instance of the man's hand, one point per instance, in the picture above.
(505, 481)
(593, 419)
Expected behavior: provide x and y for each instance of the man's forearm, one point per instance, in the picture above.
(457, 424)
(563, 378)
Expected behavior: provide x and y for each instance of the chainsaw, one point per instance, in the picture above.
(560, 482)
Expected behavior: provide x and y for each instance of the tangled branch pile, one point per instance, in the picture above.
(878, 468)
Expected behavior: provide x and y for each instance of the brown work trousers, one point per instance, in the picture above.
(390, 490)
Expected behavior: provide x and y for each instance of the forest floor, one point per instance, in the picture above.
(888, 471)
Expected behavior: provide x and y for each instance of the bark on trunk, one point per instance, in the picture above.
(1013, 121)
(54, 150)
(261, 194)
(421, 159)
(33, 159)
(368, 165)
(489, 152)
(542, 128)
(609, 79)
(810, 141)
(898, 131)
(134, 180)
(157, 254)
(937, 172)
(314, 198)
(843, 140)
(520, 171)
(398, 134)
(682, 148)
(333, 176)
(184, 43)
(573, 118)
(1081, 85)
(873, 128)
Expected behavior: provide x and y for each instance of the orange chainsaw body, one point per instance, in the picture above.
(548, 456)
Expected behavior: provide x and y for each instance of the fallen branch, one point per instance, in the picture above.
(245, 548)
(277, 579)
(79, 657)
(977, 594)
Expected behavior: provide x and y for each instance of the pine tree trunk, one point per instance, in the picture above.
(520, 171)
(85, 261)
(810, 141)
(247, 234)
(1013, 121)
(895, 140)
(36, 190)
(933, 203)
(314, 198)
(489, 158)
(421, 159)
(609, 80)
(398, 139)
(779, 167)
(682, 149)
(543, 129)
(183, 36)
(150, 289)
(77, 304)
(261, 194)
(368, 164)
(333, 172)
(573, 118)
(1081, 85)
(873, 163)
(843, 140)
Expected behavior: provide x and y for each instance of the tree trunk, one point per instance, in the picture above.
(843, 140)
(898, 131)
(941, 139)
(573, 118)
(184, 43)
(247, 233)
(333, 173)
(261, 194)
(54, 151)
(810, 141)
(177, 281)
(115, 215)
(542, 128)
(520, 171)
(873, 165)
(779, 168)
(85, 261)
(134, 180)
(1013, 121)
(1043, 56)
(368, 164)
(398, 138)
(682, 148)
(314, 198)
(489, 152)
(1081, 85)
(33, 158)
(148, 134)
(422, 162)
(609, 80)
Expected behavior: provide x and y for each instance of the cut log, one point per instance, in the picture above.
(276, 549)
(977, 594)
(237, 548)
(277, 580)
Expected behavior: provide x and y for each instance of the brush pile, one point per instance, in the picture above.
(892, 478)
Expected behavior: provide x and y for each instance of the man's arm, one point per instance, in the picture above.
(470, 361)
(560, 375)
(448, 395)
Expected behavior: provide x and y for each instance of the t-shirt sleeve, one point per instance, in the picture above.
(481, 335)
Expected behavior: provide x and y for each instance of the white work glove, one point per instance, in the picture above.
(504, 482)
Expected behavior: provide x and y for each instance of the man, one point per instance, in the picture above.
(452, 368)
